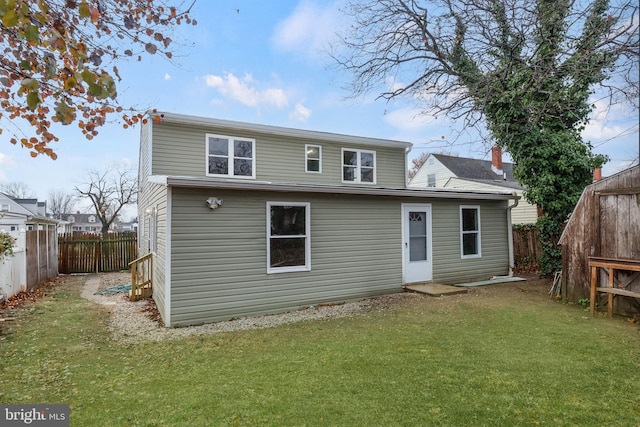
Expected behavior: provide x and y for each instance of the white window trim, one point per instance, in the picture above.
(429, 175)
(358, 170)
(307, 248)
(306, 158)
(230, 156)
(478, 232)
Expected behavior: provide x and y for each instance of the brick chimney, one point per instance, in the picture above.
(496, 161)
(597, 174)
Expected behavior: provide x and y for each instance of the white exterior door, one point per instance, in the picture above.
(416, 242)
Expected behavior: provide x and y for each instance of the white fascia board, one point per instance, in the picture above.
(423, 193)
(233, 126)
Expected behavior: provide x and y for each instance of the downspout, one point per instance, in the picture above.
(406, 165)
(510, 233)
(516, 199)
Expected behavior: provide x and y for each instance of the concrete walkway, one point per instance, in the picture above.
(435, 290)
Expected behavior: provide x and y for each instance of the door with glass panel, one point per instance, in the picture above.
(416, 243)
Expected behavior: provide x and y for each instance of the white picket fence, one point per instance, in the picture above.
(13, 273)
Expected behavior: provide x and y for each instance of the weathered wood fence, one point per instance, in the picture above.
(34, 260)
(91, 253)
(526, 247)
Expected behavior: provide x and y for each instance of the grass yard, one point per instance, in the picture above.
(504, 356)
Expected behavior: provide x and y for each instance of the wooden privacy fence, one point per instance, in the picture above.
(526, 246)
(92, 253)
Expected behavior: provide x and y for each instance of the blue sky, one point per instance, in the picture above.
(265, 62)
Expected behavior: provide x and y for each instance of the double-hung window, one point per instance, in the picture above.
(313, 158)
(358, 166)
(470, 231)
(288, 237)
(231, 156)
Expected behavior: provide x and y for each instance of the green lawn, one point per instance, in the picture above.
(515, 358)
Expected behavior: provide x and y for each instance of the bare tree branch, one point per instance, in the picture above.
(109, 192)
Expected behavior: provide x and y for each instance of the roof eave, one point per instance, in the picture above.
(425, 193)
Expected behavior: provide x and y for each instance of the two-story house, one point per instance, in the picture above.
(80, 223)
(443, 171)
(244, 219)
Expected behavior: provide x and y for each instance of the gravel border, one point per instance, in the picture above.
(129, 322)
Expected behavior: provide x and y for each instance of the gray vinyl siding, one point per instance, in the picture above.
(448, 265)
(152, 196)
(219, 257)
(181, 150)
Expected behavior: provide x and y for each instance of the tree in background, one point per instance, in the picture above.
(60, 202)
(109, 191)
(17, 190)
(58, 61)
(523, 70)
(417, 163)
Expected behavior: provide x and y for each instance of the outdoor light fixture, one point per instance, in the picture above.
(213, 202)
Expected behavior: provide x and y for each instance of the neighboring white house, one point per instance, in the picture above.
(80, 223)
(19, 214)
(444, 171)
(35, 256)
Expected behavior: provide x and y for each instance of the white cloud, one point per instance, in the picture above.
(408, 119)
(308, 29)
(167, 76)
(300, 113)
(607, 122)
(245, 91)
(6, 162)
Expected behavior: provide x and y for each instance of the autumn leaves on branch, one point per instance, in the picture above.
(55, 60)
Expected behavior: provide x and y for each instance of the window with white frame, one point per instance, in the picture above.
(431, 180)
(470, 231)
(313, 158)
(288, 237)
(231, 156)
(358, 166)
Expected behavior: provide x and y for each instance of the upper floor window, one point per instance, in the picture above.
(231, 156)
(71, 219)
(470, 231)
(431, 180)
(92, 218)
(313, 158)
(358, 166)
(5, 208)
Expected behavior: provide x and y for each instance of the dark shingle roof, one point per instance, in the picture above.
(479, 170)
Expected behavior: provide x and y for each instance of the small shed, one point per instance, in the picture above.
(605, 224)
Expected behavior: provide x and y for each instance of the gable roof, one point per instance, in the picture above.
(479, 171)
(81, 218)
